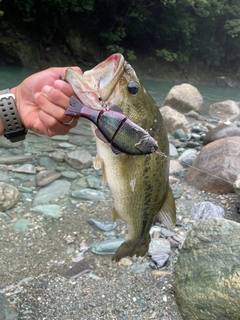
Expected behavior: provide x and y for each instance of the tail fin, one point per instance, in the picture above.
(130, 248)
(75, 107)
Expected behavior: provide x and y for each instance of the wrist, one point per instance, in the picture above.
(10, 125)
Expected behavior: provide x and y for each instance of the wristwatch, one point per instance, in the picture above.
(14, 130)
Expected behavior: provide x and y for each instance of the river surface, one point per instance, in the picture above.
(11, 76)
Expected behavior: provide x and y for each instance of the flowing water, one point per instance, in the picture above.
(11, 76)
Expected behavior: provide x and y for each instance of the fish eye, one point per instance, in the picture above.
(133, 87)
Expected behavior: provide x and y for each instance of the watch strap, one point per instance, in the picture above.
(14, 130)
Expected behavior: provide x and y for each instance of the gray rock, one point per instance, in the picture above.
(160, 259)
(26, 168)
(221, 131)
(50, 210)
(15, 159)
(224, 110)
(205, 210)
(207, 273)
(69, 174)
(184, 98)
(180, 134)
(218, 165)
(58, 156)
(21, 224)
(187, 157)
(174, 120)
(159, 245)
(52, 192)
(104, 225)
(45, 177)
(7, 312)
(88, 194)
(79, 159)
(106, 247)
(78, 268)
(173, 153)
(47, 162)
(9, 196)
(175, 166)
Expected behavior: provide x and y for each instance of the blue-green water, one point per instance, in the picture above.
(11, 76)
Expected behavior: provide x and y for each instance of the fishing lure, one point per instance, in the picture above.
(113, 127)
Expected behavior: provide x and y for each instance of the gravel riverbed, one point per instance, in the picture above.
(35, 256)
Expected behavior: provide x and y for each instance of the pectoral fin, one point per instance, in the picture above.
(167, 214)
(99, 164)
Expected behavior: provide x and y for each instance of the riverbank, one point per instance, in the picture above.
(39, 244)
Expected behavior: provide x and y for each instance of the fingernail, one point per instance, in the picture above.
(46, 89)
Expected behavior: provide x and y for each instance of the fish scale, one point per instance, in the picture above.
(139, 184)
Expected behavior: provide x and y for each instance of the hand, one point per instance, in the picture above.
(41, 101)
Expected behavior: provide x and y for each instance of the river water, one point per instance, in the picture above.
(11, 76)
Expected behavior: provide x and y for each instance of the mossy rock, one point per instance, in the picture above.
(207, 274)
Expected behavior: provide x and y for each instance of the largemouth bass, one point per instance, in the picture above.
(114, 128)
(139, 184)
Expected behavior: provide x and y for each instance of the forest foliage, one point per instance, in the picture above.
(173, 30)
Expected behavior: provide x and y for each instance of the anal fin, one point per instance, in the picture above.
(167, 214)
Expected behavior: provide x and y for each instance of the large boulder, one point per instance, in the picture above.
(207, 273)
(217, 166)
(224, 110)
(174, 120)
(221, 131)
(184, 98)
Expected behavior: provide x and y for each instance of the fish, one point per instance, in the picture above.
(139, 184)
(113, 127)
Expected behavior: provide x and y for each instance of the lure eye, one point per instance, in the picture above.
(133, 87)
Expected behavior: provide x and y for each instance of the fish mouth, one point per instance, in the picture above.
(95, 86)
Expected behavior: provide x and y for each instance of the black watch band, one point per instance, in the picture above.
(14, 130)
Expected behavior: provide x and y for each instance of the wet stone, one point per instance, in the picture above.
(70, 174)
(94, 182)
(106, 247)
(160, 259)
(47, 162)
(9, 196)
(21, 224)
(77, 269)
(104, 225)
(15, 159)
(7, 312)
(206, 210)
(50, 210)
(159, 245)
(60, 138)
(66, 145)
(43, 178)
(52, 192)
(140, 268)
(79, 159)
(26, 168)
(88, 194)
(58, 156)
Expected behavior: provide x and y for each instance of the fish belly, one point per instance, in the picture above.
(138, 185)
